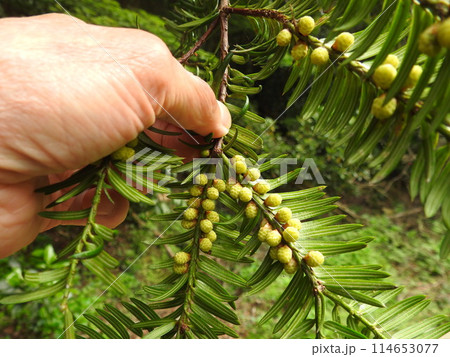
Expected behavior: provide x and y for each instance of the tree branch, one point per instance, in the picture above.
(224, 47)
(183, 59)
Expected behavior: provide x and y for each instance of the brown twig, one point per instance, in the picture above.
(183, 59)
(224, 48)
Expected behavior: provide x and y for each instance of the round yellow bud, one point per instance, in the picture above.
(251, 210)
(253, 174)
(291, 234)
(201, 180)
(384, 75)
(240, 167)
(261, 187)
(133, 143)
(299, 51)
(235, 190)
(204, 153)
(205, 245)
(206, 225)
(212, 236)
(246, 194)
(413, 77)
(273, 200)
(306, 25)
(212, 193)
(284, 38)
(273, 238)
(190, 214)
(320, 56)
(123, 154)
(443, 33)
(196, 190)
(314, 258)
(283, 215)
(284, 254)
(383, 112)
(181, 258)
(237, 158)
(213, 216)
(263, 233)
(180, 268)
(194, 202)
(291, 267)
(188, 224)
(273, 252)
(343, 42)
(428, 42)
(208, 205)
(295, 223)
(219, 185)
(392, 60)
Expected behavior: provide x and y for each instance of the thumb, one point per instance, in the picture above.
(191, 104)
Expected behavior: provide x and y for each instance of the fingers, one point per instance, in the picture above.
(173, 142)
(190, 103)
(110, 214)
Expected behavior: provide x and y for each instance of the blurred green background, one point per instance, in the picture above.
(407, 244)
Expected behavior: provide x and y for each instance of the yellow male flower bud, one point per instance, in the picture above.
(273, 238)
(194, 202)
(240, 167)
(294, 222)
(201, 180)
(299, 51)
(392, 60)
(314, 258)
(235, 190)
(123, 154)
(190, 214)
(306, 25)
(291, 234)
(208, 205)
(196, 190)
(284, 38)
(188, 224)
(343, 41)
(253, 174)
(251, 210)
(283, 215)
(273, 200)
(273, 252)
(246, 194)
(383, 112)
(284, 254)
(384, 75)
(261, 187)
(212, 236)
(219, 185)
(181, 258)
(206, 225)
(212, 193)
(320, 56)
(180, 268)
(205, 245)
(213, 216)
(291, 267)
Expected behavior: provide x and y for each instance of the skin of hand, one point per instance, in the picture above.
(72, 93)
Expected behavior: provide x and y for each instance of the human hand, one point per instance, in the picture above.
(66, 102)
